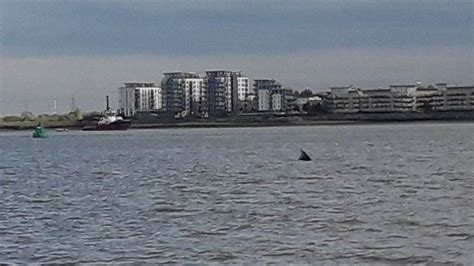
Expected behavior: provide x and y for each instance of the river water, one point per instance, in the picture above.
(375, 194)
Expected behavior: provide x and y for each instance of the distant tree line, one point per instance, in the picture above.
(304, 93)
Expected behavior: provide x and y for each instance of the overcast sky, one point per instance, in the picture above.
(87, 49)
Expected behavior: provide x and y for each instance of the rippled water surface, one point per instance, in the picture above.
(372, 194)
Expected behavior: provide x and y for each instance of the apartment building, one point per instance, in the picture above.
(395, 98)
(223, 89)
(271, 95)
(243, 89)
(345, 99)
(139, 97)
(454, 98)
(196, 102)
(402, 98)
(184, 93)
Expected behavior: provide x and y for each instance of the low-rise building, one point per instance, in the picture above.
(455, 98)
(404, 97)
(345, 99)
(400, 98)
(349, 99)
(271, 95)
(442, 97)
(376, 101)
(139, 97)
(427, 98)
(302, 101)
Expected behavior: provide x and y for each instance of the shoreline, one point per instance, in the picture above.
(300, 124)
(235, 124)
(241, 124)
(262, 120)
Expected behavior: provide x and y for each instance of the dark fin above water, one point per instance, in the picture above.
(304, 156)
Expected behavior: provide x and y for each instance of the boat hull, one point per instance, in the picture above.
(117, 125)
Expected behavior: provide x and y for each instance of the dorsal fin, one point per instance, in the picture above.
(304, 156)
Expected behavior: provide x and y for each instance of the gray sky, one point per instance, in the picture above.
(86, 49)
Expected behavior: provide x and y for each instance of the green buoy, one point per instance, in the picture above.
(40, 132)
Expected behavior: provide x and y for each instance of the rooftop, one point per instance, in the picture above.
(377, 90)
(341, 87)
(223, 71)
(426, 89)
(264, 79)
(397, 85)
(177, 72)
(139, 84)
(471, 87)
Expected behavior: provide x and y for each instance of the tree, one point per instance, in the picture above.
(315, 108)
(306, 93)
(307, 107)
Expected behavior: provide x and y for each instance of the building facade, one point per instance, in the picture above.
(264, 100)
(271, 95)
(402, 98)
(243, 89)
(277, 102)
(454, 98)
(376, 101)
(183, 93)
(196, 103)
(396, 98)
(139, 97)
(223, 91)
(344, 99)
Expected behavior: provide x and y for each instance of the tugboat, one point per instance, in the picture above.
(109, 120)
(40, 132)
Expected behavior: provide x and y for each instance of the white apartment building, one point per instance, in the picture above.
(277, 101)
(345, 99)
(404, 97)
(243, 88)
(396, 98)
(264, 98)
(195, 96)
(454, 98)
(271, 95)
(376, 100)
(139, 96)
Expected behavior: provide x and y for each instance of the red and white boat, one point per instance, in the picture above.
(109, 121)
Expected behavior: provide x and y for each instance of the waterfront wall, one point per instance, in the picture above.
(398, 116)
(264, 120)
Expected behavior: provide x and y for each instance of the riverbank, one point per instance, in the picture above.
(238, 124)
(267, 120)
(29, 121)
(32, 125)
(202, 124)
